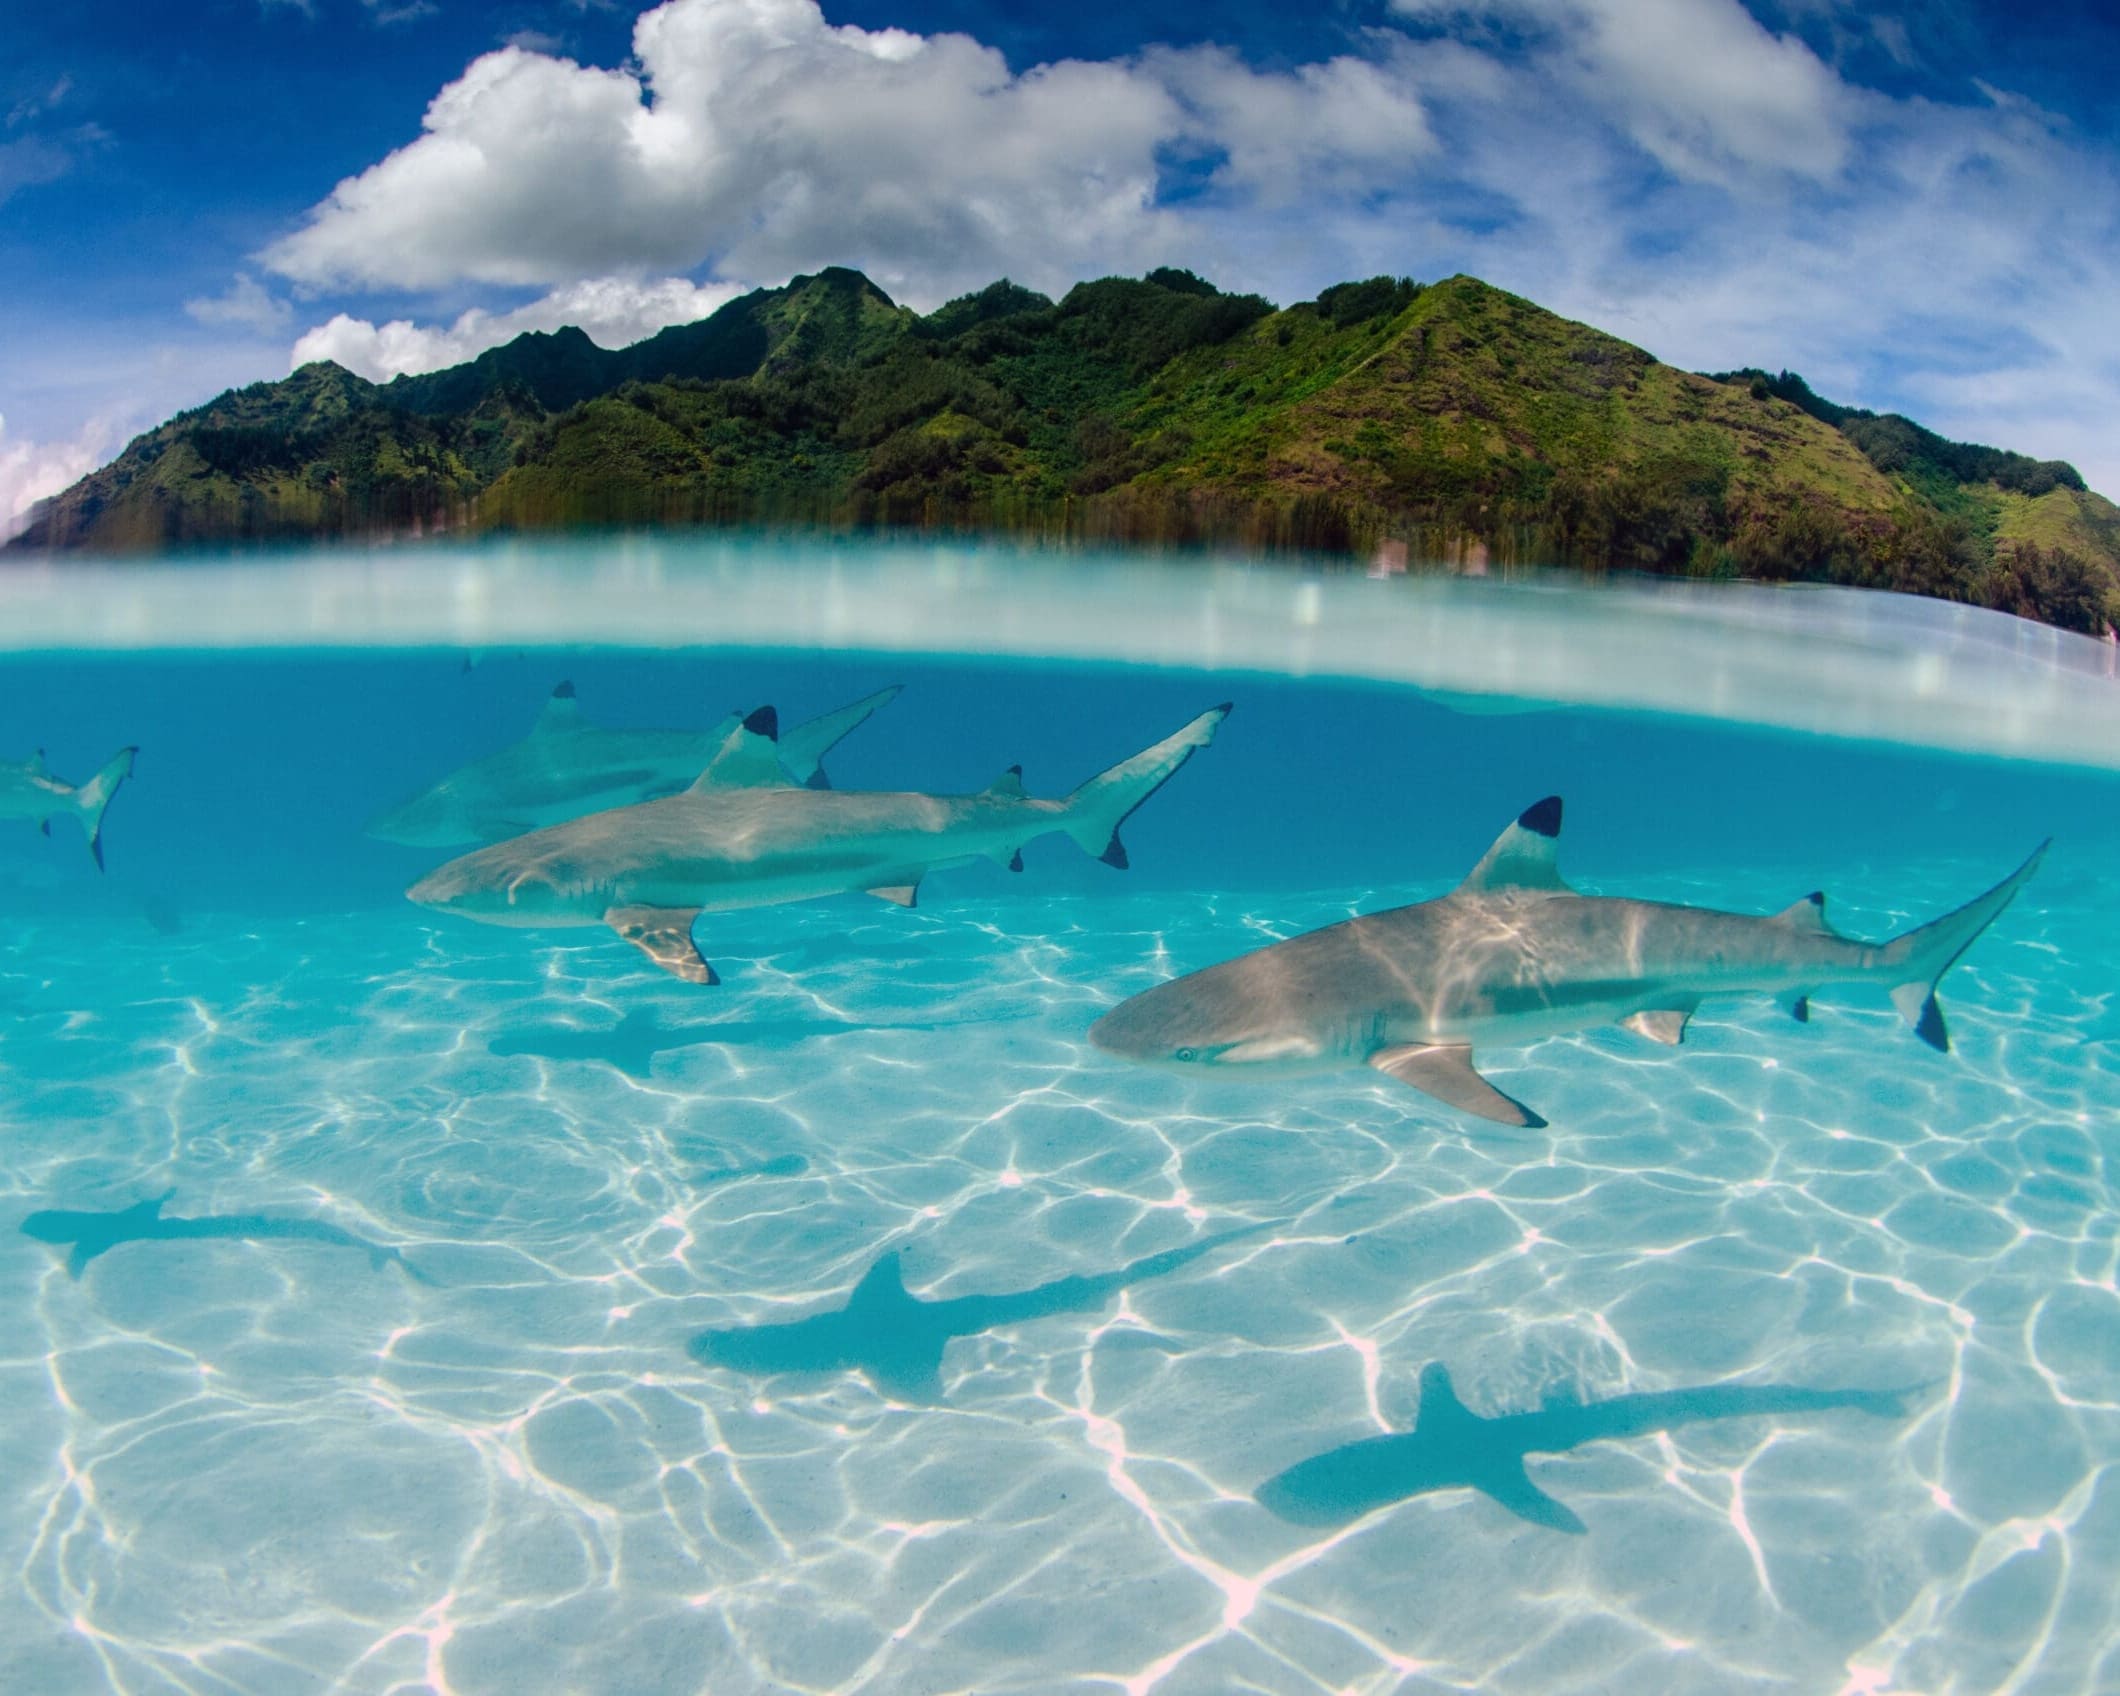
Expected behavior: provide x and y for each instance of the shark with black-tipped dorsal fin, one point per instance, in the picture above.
(29, 791)
(896, 1341)
(88, 1235)
(567, 766)
(649, 871)
(1453, 1448)
(1513, 955)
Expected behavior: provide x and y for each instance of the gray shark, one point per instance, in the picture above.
(1512, 955)
(29, 791)
(1453, 1448)
(649, 871)
(567, 767)
(91, 1234)
(896, 1341)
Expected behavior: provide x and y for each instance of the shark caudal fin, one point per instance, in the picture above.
(803, 748)
(93, 797)
(1097, 809)
(1920, 957)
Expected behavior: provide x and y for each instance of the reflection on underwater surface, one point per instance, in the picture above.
(640, 1432)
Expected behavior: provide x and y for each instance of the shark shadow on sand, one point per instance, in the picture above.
(896, 1341)
(1453, 1448)
(88, 1235)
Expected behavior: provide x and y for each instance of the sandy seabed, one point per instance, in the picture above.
(274, 1467)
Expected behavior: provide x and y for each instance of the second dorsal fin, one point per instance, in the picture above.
(749, 756)
(1526, 855)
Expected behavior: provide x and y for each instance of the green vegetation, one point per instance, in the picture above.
(1459, 420)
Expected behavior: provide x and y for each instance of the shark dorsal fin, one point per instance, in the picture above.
(561, 712)
(881, 1285)
(1807, 915)
(1009, 785)
(1526, 855)
(749, 756)
(149, 1210)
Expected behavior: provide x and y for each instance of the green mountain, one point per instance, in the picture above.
(1455, 419)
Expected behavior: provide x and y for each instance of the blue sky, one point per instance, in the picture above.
(1915, 208)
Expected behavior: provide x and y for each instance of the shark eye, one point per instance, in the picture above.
(1188, 1054)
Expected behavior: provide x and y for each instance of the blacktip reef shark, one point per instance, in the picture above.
(87, 1235)
(29, 791)
(567, 767)
(1513, 955)
(649, 871)
(1453, 1448)
(896, 1341)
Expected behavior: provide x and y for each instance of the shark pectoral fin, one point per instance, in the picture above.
(898, 894)
(1666, 1025)
(664, 934)
(1446, 1073)
(1526, 855)
(1511, 1486)
(749, 756)
(77, 1261)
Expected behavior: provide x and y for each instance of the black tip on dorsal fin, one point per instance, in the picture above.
(1543, 818)
(1226, 708)
(1817, 898)
(764, 722)
(1016, 772)
(563, 691)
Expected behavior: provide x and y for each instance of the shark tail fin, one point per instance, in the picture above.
(804, 746)
(1925, 953)
(93, 797)
(1097, 809)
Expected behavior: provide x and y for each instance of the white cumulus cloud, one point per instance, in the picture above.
(247, 303)
(613, 311)
(30, 470)
(755, 137)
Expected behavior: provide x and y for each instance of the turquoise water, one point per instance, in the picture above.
(427, 1410)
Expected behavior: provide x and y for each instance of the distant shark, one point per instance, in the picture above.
(780, 1166)
(91, 1234)
(1510, 956)
(896, 1341)
(632, 1044)
(567, 767)
(1453, 1448)
(649, 871)
(29, 791)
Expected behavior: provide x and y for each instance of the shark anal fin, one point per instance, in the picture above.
(898, 894)
(1666, 1025)
(664, 934)
(1446, 1072)
(1512, 1487)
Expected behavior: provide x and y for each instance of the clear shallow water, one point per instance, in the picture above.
(268, 1465)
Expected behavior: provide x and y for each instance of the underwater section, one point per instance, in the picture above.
(392, 1301)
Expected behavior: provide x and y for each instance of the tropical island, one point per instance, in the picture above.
(1385, 419)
